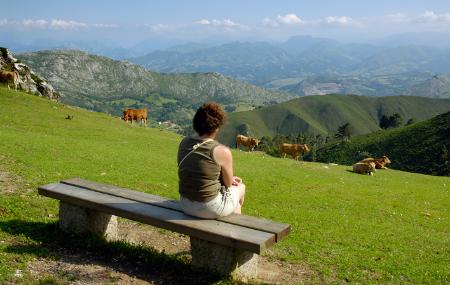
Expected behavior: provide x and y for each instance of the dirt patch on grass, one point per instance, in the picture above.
(8, 183)
(69, 267)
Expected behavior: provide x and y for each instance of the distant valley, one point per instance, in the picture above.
(106, 85)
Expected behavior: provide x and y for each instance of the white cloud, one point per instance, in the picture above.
(62, 24)
(430, 16)
(159, 27)
(217, 23)
(225, 24)
(106, 26)
(269, 22)
(202, 22)
(56, 24)
(289, 19)
(229, 23)
(294, 20)
(338, 20)
(397, 18)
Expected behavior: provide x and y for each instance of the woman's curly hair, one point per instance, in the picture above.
(208, 118)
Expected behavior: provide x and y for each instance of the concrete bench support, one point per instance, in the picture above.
(239, 264)
(74, 219)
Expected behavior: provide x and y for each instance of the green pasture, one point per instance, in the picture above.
(390, 228)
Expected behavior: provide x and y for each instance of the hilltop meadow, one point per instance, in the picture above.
(390, 228)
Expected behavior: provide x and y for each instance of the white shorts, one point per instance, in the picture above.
(222, 205)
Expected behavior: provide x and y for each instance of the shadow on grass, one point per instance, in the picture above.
(133, 260)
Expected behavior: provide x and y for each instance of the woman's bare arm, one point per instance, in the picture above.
(222, 155)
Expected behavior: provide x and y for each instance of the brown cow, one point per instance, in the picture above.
(380, 163)
(364, 168)
(293, 150)
(10, 76)
(135, 114)
(248, 142)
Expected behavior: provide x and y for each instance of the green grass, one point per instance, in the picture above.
(390, 228)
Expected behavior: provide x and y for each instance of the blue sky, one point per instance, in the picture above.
(129, 22)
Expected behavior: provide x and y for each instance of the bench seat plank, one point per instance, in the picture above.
(211, 230)
(280, 230)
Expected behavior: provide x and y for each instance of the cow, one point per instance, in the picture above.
(364, 168)
(293, 150)
(248, 142)
(380, 163)
(10, 76)
(135, 114)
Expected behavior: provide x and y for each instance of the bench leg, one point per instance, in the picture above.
(239, 264)
(75, 219)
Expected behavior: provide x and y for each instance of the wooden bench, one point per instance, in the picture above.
(228, 245)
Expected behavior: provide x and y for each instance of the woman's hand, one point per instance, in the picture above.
(236, 180)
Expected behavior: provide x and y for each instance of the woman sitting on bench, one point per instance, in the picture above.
(207, 186)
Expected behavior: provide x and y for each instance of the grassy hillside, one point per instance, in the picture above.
(421, 147)
(324, 114)
(390, 228)
(106, 85)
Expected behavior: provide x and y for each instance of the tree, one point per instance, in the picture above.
(393, 121)
(410, 122)
(384, 122)
(344, 132)
(444, 154)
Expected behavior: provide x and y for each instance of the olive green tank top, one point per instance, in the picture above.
(199, 174)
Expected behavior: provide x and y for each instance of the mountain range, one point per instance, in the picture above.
(106, 85)
(264, 63)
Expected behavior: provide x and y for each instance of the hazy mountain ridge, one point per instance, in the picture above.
(261, 62)
(438, 86)
(324, 114)
(106, 85)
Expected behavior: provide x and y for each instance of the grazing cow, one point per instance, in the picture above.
(364, 168)
(293, 150)
(10, 76)
(249, 142)
(135, 114)
(380, 163)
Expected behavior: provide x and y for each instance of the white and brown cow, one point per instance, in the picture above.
(248, 142)
(10, 77)
(293, 150)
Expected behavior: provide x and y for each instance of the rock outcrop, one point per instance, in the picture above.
(28, 80)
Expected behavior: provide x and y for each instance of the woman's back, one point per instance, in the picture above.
(199, 174)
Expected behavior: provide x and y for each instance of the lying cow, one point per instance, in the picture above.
(294, 150)
(134, 115)
(380, 163)
(364, 168)
(10, 77)
(248, 142)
